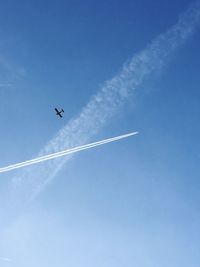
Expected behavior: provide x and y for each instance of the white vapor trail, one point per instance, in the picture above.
(64, 152)
(105, 104)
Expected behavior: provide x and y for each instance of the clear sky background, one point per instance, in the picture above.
(129, 203)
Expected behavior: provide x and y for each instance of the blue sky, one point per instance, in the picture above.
(130, 203)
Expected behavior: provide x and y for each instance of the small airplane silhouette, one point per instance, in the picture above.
(58, 113)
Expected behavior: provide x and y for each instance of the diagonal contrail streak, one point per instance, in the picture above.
(64, 152)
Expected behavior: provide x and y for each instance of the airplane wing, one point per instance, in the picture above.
(56, 110)
(59, 115)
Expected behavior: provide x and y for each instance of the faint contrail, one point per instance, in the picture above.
(107, 102)
(64, 153)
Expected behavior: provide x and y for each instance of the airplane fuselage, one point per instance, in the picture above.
(58, 113)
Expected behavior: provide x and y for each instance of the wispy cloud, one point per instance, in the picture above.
(5, 84)
(4, 259)
(10, 72)
(107, 101)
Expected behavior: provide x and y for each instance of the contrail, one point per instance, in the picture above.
(64, 152)
(107, 102)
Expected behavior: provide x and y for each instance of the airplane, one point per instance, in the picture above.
(58, 113)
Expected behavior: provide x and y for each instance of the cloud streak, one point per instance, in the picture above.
(4, 259)
(105, 104)
(64, 153)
